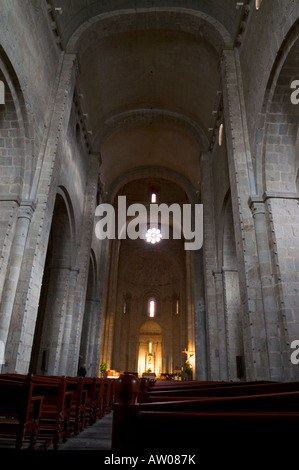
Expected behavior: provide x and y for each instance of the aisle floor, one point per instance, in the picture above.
(95, 437)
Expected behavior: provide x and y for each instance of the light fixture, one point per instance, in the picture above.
(258, 4)
(153, 235)
(154, 198)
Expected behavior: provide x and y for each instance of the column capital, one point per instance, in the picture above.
(257, 205)
(217, 273)
(26, 209)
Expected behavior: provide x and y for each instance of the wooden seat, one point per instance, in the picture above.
(180, 417)
(54, 417)
(20, 412)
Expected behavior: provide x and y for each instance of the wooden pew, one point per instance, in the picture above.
(108, 395)
(54, 422)
(77, 416)
(168, 424)
(19, 412)
(54, 419)
(94, 388)
(284, 401)
(99, 407)
(220, 432)
(190, 385)
(222, 391)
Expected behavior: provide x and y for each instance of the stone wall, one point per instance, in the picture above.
(245, 292)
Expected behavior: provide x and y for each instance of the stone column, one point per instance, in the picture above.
(83, 261)
(190, 308)
(111, 306)
(7, 322)
(44, 189)
(9, 210)
(200, 318)
(223, 364)
(65, 362)
(242, 186)
(209, 260)
(93, 346)
(233, 320)
(267, 280)
(51, 340)
(283, 221)
(86, 333)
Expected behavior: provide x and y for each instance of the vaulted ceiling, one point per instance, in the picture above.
(149, 78)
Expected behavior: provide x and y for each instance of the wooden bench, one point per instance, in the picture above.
(109, 392)
(94, 388)
(170, 424)
(67, 405)
(55, 416)
(19, 412)
(77, 416)
(228, 433)
(54, 419)
(221, 391)
(99, 406)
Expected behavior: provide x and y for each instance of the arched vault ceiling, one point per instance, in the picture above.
(148, 78)
(156, 145)
(149, 89)
(74, 13)
(168, 70)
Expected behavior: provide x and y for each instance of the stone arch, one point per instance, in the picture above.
(231, 296)
(63, 193)
(189, 20)
(150, 358)
(277, 169)
(16, 161)
(90, 329)
(276, 141)
(134, 116)
(53, 305)
(16, 131)
(229, 259)
(151, 172)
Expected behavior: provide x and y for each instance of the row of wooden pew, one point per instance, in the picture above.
(50, 409)
(178, 416)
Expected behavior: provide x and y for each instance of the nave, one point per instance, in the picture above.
(143, 416)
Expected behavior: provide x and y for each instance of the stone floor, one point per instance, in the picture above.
(95, 437)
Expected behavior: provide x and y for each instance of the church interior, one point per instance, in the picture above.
(190, 105)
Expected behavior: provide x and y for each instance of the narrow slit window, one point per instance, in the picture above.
(152, 308)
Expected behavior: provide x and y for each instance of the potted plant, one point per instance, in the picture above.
(103, 369)
(187, 371)
(177, 375)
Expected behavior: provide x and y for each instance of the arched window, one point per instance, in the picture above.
(151, 308)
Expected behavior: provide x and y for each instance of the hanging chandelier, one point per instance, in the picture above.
(153, 235)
